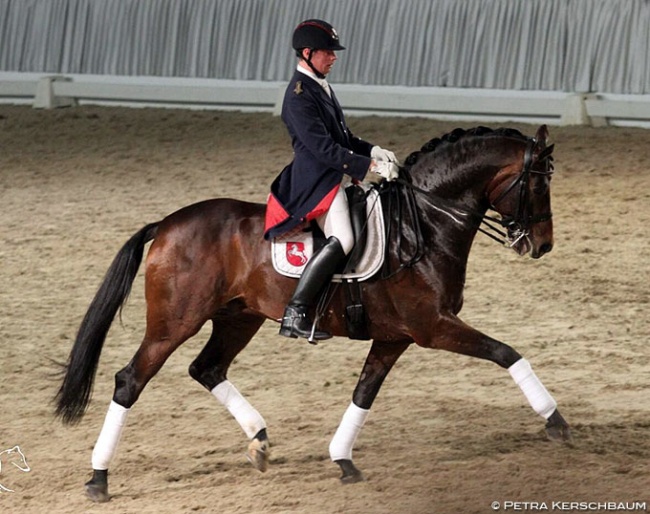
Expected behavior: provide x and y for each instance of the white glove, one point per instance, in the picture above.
(385, 169)
(380, 154)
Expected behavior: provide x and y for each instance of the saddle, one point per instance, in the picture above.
(291, 253)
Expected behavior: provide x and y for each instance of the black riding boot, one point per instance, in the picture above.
(317, 273)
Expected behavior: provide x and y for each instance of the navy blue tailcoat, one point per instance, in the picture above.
(324, 150)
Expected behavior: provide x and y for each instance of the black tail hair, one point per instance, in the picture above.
(79, 372)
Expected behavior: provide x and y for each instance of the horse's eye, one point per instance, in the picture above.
(540, 189)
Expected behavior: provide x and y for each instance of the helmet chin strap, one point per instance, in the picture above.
(309, 63)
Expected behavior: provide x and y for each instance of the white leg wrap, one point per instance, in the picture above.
(539, 398)
(248, 418)
(345, 436)
(109, 437)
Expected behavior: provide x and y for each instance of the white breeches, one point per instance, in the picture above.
(336, 221)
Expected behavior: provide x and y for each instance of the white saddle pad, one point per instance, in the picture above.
(292, 251)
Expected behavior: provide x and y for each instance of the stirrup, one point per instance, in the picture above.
(296, 323)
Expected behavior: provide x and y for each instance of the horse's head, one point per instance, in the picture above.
(521, 194)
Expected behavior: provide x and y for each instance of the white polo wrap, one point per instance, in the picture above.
(109, 437)
(345, 436)
(539, 398)
(248, 418)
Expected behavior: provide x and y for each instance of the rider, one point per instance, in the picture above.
(325, 155)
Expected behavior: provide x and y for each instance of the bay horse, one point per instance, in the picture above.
(209, 262)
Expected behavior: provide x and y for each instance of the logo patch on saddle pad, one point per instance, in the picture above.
(292, 251)
(296, 255)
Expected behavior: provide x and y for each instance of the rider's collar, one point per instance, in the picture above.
(322, 82)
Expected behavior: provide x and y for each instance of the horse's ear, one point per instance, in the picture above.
(542, 134)
(546, 153)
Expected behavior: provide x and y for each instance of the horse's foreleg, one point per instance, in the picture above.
(540, 400)
(380, 360)
(230, 335)
(455, 336)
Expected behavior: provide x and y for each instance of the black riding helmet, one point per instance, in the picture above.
(315, 35)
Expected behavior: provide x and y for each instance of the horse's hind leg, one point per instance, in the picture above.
(230, 335)
(156, 347)
(455, 336)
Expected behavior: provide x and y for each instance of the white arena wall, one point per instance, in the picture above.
(556, 61)
(488, 105)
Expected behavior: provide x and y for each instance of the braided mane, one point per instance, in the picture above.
(457, 134)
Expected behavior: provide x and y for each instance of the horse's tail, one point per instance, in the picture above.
(79, 372)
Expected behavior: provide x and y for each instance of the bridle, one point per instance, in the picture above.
(519, 224)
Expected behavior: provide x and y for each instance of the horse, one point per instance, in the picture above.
(209, 262)
(15, 457)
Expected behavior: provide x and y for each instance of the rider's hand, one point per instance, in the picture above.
(385, 169)
(380, 154)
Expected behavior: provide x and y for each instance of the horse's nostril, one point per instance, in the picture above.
(545, 248)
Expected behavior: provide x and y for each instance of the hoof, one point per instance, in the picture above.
(351, 475)
(258, 454)
(97, 487)
(557, 429)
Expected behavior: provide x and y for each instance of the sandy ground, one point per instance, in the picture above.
(447, 434)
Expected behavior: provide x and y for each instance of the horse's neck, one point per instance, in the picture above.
(461, 177)
(457, 205)
(457, 201)
(456, 179)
